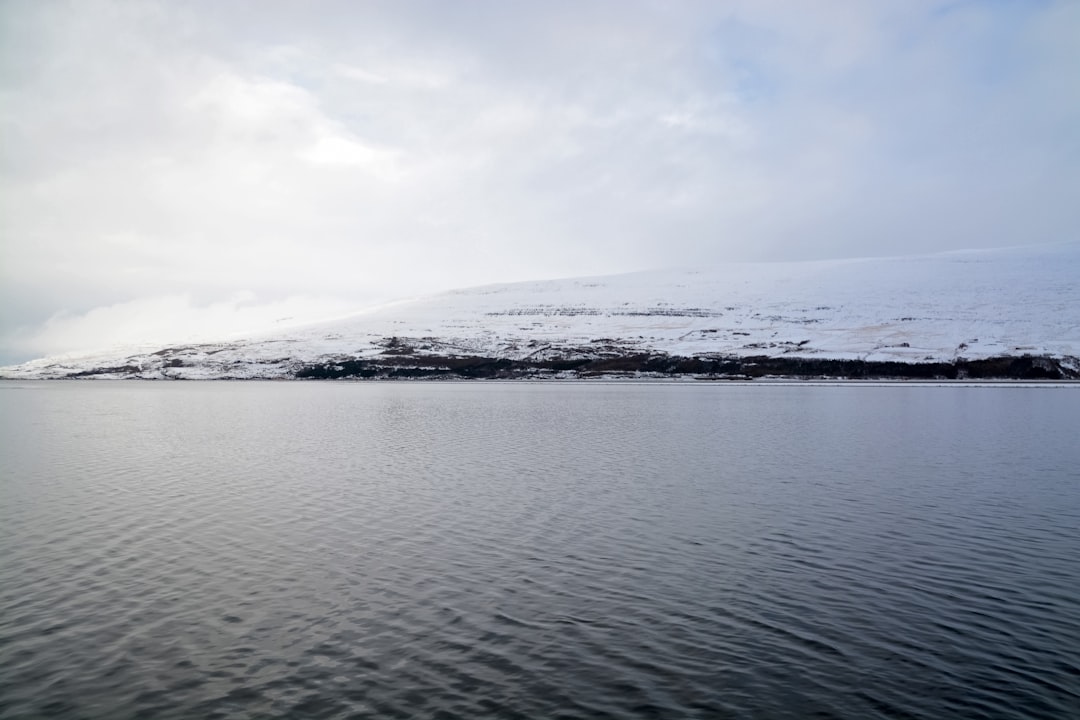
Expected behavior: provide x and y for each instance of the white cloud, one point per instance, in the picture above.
(360, 74)
(164, 319)
(339, 150)
(369, 150)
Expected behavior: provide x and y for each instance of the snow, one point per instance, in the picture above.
(971, 305)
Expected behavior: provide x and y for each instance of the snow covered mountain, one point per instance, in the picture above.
(986, 313)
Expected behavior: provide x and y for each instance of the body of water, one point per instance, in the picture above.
(577, 550)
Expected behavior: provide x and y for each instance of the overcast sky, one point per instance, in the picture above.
(175, 169)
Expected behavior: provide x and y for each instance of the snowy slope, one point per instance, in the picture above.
(972, 304)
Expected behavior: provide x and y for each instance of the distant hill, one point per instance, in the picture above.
(1007, 313)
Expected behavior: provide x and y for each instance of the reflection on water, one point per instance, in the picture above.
(552, 550)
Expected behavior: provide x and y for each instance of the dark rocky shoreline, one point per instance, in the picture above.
(401, 359)
(1025, 367)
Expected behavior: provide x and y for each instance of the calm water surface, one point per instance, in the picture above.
(396, 550)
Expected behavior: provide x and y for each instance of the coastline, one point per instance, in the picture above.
(1001, 371)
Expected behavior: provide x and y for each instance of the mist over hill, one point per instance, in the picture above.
(1007, 313)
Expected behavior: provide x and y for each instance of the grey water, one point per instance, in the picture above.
(577, 550)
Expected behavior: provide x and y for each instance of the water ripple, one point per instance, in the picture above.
(264, 550)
